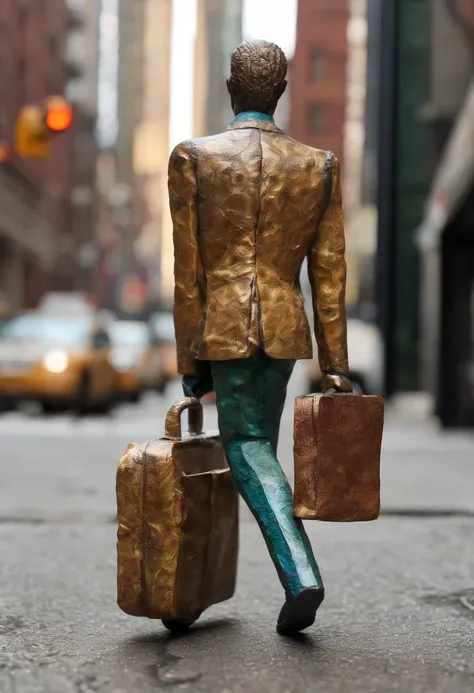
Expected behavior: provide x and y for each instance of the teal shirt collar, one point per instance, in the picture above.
(254, 115)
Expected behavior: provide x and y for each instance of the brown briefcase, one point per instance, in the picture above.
(177, 522)
(337, 443)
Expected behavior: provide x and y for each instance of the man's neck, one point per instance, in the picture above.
(254, 115)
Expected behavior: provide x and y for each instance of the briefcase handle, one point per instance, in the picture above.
(173, 429)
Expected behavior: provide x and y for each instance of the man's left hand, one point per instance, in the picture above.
(336, 382)
(200, 384)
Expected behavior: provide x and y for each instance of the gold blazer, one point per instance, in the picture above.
(248, 206)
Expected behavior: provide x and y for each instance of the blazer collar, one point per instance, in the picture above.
(252, 119)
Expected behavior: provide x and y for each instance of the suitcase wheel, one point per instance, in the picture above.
(177, 626)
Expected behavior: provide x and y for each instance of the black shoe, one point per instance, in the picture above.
(299, 612)
(177, 626)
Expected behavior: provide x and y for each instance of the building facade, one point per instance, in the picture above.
(82, 91)
(425, 194)
(36, 252)
(219, 31)
(445, 237)
(402, 184)
(137, 194)
(360, 227)
(151, 152)
(121, 260)
(327, 88)
(318, 75)
(131, 74)
(371, 109)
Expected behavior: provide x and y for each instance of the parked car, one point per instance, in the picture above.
(137, 358)
(365, 359)
(59, 362)
(129, 340)
(70, 304)
(162, 327)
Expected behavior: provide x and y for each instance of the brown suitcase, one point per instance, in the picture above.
(177, 522)
(337, 443)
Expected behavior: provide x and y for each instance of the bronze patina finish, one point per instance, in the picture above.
(177, 523)
(337, 442)
(249, 205)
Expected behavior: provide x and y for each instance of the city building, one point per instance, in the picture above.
(118, 261)
(131, 264)
(219, 31)
(403, 153)
(152, 148)
(318, 75)
(445, 236)
(82, 53)
(425, 183)
(131, 74)
(201, 71)
(364, 228)
(327, 84)
(360, 221)
(36, 250)
(371, 108)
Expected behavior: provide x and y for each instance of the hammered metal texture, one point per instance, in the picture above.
(173, 419)
(337, 443)
(177, 528)
(248, 206)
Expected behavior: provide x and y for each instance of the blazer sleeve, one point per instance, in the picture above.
(190, 292)
(327, 275)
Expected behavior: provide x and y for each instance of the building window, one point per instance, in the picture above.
(316, 119)
(317, 66)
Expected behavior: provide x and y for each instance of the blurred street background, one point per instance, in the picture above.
(94, 94)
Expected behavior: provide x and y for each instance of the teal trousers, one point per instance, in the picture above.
(250, 397)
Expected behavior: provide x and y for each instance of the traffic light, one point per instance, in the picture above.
(36, 125)
(58, 114)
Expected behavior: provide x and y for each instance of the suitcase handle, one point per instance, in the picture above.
(173, 428)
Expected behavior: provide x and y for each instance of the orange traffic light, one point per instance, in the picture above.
(37, 124)
(58, 114)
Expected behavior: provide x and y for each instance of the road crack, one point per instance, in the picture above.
(177, 672)
(172, 670)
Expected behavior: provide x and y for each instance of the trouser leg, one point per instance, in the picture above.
(250, 398)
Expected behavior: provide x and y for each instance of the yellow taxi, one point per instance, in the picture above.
(140, 359)
(130, 348)
(60, 362)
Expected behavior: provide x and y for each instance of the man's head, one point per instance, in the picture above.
(257, 77)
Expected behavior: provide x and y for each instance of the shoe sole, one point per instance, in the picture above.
(177, 626)
(303, 611)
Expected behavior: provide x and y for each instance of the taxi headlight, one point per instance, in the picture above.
(56, 361)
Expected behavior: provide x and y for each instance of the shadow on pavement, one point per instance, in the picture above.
(164, 636)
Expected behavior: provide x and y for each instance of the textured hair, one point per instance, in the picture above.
(257, 71)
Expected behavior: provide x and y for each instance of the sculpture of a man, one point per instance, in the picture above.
(249, 205)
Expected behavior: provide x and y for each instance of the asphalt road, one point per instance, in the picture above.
(399, 612)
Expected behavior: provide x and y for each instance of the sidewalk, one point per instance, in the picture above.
(425, 469)
(399, 608)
